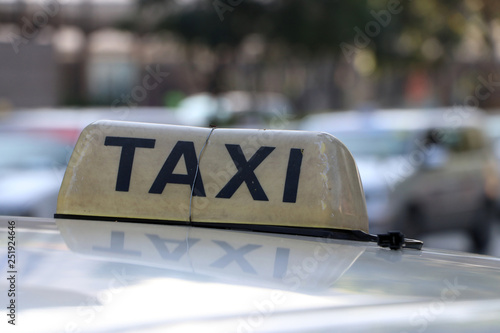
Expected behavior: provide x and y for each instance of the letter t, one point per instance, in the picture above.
(127, 157)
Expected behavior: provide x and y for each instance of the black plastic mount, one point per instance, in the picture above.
(396, 240)
(393, 240)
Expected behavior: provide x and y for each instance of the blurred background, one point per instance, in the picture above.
(411, 87)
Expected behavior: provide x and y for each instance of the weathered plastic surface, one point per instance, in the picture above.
(262, 177)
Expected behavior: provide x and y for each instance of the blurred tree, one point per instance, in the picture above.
(369, 34)
(396, 30)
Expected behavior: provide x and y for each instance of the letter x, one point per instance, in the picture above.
(245, 173)
(235, 255)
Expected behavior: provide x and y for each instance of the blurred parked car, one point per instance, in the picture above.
(35, 145)
(31, 171)
(236, 109)
(422, 171)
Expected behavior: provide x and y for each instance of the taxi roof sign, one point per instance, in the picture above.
(180, 174)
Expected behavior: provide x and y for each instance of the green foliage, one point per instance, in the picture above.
(421, 32)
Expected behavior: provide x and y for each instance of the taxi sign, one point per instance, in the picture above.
(142, 172)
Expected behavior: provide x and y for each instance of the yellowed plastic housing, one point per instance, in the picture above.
(245, 176)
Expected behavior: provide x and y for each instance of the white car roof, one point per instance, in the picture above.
(97, 276)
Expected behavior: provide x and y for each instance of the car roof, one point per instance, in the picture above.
(180, 278)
